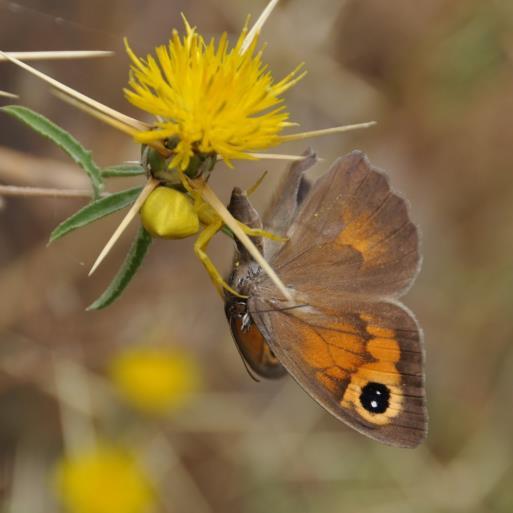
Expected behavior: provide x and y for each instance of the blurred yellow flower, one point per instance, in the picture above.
(155, 379)
(105, 479)
(208, 98)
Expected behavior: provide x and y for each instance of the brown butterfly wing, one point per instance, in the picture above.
(353, 234)
(363, 364)
(288, 196)
(352, 250)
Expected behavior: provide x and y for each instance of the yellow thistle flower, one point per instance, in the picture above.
(211, 101)
(208, 98)
(155, 380)
(105, 479)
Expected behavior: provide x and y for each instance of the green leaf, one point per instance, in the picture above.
(96, 210)
(122, 170)
(61, 138)
(130, 266)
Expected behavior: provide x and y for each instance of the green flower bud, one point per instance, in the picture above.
(169, 214)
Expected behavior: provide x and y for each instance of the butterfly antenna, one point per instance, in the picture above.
(284, 309)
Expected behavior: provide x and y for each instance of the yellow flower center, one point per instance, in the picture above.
(211, 98)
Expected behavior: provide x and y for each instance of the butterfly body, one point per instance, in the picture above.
(254, 350)
(351, 252)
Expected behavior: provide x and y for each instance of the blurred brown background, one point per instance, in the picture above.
(438, 78)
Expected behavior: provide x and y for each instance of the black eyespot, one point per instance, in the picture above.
(375, 397)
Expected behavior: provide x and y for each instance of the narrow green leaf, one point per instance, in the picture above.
(95, 210)
(128, 269)
(122, 170)
(61, 138)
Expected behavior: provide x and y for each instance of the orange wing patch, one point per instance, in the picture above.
(331, 383)
(346, 362)
(314, 351)
(385, 350)
(381, 372)
(374, 329)
(361, 234)
(336, 351)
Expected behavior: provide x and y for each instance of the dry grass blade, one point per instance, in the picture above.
(19, 168)
(71, 386)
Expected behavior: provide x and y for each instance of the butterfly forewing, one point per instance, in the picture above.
(288, 196)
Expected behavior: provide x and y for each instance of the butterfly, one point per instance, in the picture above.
(351, 251)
